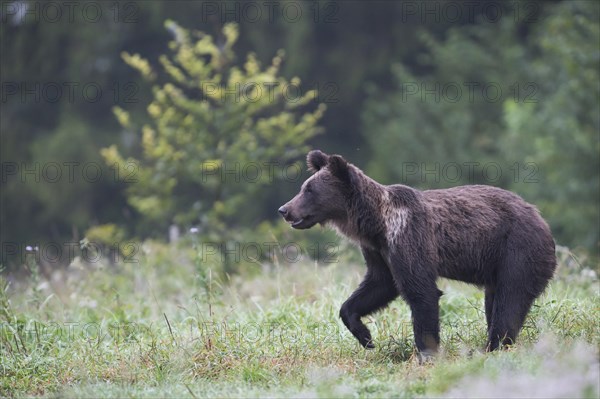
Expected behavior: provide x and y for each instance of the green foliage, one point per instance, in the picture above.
(105, 234)
(433, 119)
(336, 48)
(524, 106)
(218, 134)
(46, 124)
(559, 133)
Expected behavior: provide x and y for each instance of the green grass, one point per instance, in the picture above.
(167, 327)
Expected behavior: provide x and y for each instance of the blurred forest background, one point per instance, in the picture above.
(430, 94)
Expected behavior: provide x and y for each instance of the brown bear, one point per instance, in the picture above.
(477, 234)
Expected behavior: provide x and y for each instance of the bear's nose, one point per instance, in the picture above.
(283, 211)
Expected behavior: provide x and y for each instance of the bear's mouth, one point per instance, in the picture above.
(297, 222)
(303, 223)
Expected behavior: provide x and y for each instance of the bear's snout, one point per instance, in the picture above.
(286, 212)
(294, 218)
(283, 211)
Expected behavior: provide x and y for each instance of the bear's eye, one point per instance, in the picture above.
(308, 188)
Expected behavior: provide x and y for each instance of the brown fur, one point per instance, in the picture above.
(477, 234)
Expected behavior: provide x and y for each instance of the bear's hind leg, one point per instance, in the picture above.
(510, 307)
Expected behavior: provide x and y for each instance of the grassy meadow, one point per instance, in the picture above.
(166, 326)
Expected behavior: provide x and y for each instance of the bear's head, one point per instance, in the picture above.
(324, 196)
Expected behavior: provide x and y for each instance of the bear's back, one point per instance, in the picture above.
(475, 226)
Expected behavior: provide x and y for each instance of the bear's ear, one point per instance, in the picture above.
(339, 167)
(316, 160)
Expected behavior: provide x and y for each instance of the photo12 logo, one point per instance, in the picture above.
(270, 11)
(69, 331)
(71, 172)
(252, 92)
(249, 172)
(471, 92)
(22, 12)
(470, 172)
(256, 252)
(285, 333)
(70, 92)
(429, 11)
(65, 252)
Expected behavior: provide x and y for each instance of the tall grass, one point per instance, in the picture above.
(168, 326)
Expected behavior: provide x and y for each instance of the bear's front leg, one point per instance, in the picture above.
(416, 277)
(352, 321)
(374, 293)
